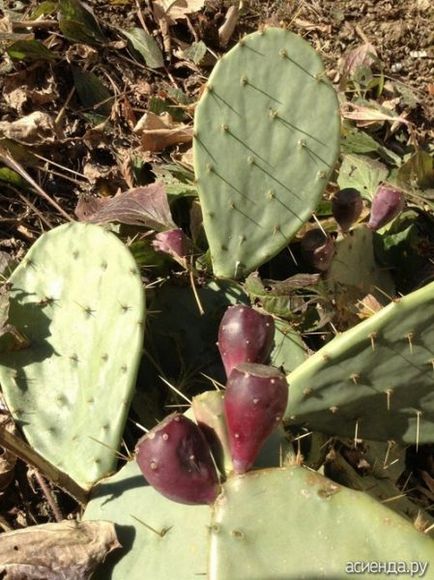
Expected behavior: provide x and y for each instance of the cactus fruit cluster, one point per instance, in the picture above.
(175, 457)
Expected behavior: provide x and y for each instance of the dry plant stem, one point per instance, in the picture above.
(18, 24)
(61, 113)
(15, 166)
(49, 496)
(5, 525)
(17, 446)
(35, 210)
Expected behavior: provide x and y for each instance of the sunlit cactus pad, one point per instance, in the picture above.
(260, 528)
(266, 139)
(374, 381)
(78, 298)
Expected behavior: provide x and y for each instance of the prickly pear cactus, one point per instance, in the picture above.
(258, 528)
(78, 298)
(266, 139)
(374, 381)
(150, 528)
(354, 265)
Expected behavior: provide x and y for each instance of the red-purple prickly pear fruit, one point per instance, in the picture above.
(176, 461)
(386, 205)
(245, 335)
(172, 242)
(255, 401)
(347, 205)
(317, 249)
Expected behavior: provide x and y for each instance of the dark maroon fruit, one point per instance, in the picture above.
(386, 205)
(176, 461)
(245, 335)
(347, 205)
(255, 401)
(318, 249)
(172, 242)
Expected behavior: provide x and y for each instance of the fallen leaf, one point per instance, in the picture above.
(177, 9)
(227, 28)
(27, 89)
(30, 50)
(34, 129)
(160, 131)
(418, 170)
(143, 206)
(78, 23)
(66, 550)
(368, 306)
(362, 56)
(365, 115)
(92, 93)
(146, 46)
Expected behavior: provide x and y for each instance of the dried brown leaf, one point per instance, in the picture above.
(64, 551)
(34, 129)
(362, 56)
(143, 206)
(157, 132)
(7, 463)
(231, 19)
(25, 89)
(365, 115)
(177, 9)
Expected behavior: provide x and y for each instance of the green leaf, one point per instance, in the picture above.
(78, 23)
(195, 52)
(92, 93)
(146, 46)
(362, 173)
(418, 170)
(29, 50)
(355, 141)
(9, 176)
(44, 9)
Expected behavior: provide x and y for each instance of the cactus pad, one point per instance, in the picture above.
(260, 527)
(374, 381)
(161, 539)
(78, 298)
(266, 139)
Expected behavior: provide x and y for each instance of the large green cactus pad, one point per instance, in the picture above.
(374, 381)
(269, 524)
(266, 139)
(293, 523)
(78, 298)
(161, 539)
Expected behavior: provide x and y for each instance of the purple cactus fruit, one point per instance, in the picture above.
(255, 401)
(172, 242)
(176, 461)
(347, 205)
(245, 335)
(318, 249)
(388, 202)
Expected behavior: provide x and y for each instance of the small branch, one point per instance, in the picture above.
(15, 445)
(49, 496)
(18, 24)
(8, 160)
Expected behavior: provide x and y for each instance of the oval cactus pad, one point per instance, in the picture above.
(79, 300)
(266, 138)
